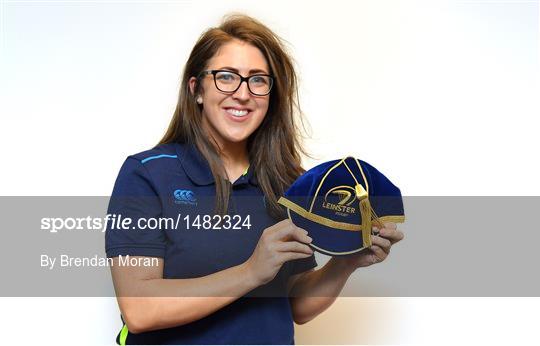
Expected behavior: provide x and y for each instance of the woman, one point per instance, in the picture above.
(230, 152)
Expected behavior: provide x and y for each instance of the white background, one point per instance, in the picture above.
(442, 96)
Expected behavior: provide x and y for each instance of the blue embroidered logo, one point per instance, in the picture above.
(184, 197)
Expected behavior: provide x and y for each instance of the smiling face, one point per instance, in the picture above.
(232, 117)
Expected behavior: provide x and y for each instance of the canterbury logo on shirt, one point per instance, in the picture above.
(184, 197)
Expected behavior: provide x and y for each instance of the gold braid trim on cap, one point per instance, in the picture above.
(392, 218)
(317, 218)
(335, 224)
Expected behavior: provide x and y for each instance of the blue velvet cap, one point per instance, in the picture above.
(339, 201)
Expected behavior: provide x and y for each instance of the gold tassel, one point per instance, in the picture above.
(365, 212)
(365, 208)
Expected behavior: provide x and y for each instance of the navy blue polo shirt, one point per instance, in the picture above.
(174, 181)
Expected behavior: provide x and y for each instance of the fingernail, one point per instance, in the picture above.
(309, 239)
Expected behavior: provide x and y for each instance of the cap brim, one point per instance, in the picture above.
(327, 240)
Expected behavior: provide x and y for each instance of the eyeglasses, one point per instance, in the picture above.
(228, 81)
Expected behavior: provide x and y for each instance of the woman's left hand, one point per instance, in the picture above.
(378, 251)
(315, 291)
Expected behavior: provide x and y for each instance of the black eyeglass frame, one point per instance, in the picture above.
(242, 79)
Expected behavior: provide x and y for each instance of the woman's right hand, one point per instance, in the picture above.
(278, 244)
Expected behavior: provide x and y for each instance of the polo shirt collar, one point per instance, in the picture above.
(197, 168)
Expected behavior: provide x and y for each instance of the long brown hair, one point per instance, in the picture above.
(275, 148)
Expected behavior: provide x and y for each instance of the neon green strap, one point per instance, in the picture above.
(123, 335)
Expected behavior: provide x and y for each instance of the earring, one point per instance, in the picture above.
(199, 100)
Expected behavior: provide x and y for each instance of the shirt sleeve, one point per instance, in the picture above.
(135, 197)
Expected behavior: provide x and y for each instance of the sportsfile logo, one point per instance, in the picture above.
(184, 197)
(339, 199)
